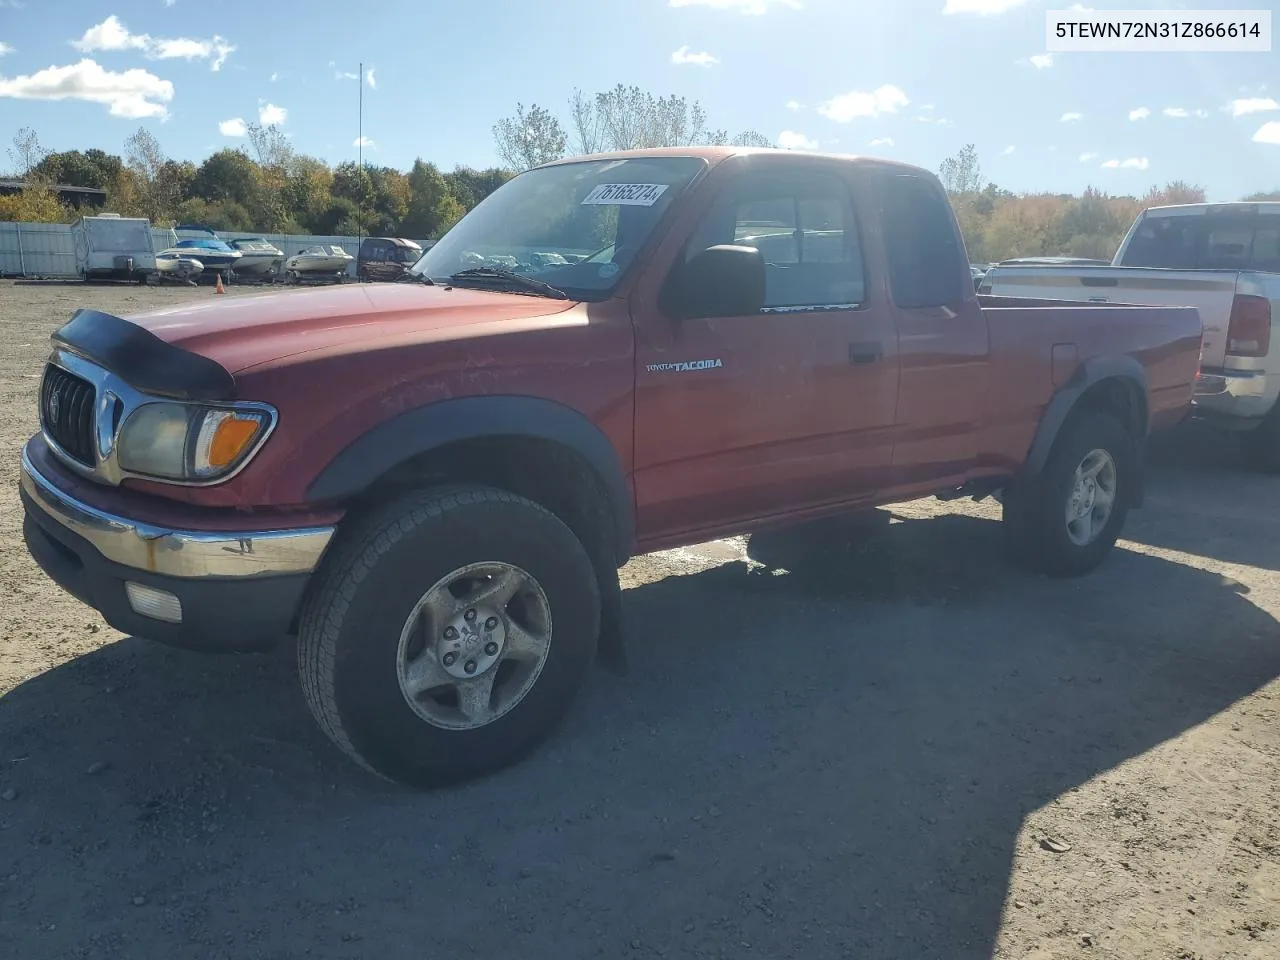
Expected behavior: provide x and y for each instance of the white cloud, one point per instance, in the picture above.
(882, 142)
(276, 75)
(134, 93)
(927, 107)
(703, 59)
(1240, 108)
(1008, 150)
(1268, 133)
(111, 34)
(370, 79)
(794, 105)
(1070, 117)
(5, 48)
(1141, 113)
(364, 142)
(271, 115)
(1133, 163)
(1088, 157)
(1176, 113)
(790, 140)
(235, 127)
(752, 7)
(982, 7)
(1042, 61)
(345, 75)
(850, 106)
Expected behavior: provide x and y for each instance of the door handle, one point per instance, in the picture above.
(865, 352)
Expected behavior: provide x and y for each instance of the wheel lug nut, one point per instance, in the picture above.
(469, 616)
(491, 623)
(450, 633)
(469, 666)
(450, 659)
(490, 649)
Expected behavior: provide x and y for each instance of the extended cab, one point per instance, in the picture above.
(1224, 260)
(434, 484)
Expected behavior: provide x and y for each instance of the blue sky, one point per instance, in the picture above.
(909, 79)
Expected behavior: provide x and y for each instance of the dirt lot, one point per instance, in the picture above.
(842, 741)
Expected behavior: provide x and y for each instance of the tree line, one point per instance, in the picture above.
(269, 187)
(998, 224)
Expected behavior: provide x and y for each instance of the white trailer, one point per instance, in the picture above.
(111, 247)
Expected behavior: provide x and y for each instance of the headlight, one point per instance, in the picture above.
(188, 442)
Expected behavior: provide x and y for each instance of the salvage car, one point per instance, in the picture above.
(431, 486)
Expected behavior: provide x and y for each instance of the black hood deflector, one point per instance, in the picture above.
(142, 360)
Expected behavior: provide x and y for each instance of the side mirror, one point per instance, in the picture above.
(721, 281)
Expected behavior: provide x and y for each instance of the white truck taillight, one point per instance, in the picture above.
(1249, 331)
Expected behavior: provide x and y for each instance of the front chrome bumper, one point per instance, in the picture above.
(186, 554)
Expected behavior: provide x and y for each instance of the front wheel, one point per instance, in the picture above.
(448, 634)
(1065, 521)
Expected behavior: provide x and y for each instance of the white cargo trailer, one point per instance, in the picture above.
(111, 247)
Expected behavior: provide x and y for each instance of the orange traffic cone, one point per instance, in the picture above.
(219, 288)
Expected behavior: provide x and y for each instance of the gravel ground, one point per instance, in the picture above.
(864, 739)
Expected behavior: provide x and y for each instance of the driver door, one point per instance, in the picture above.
(744, 418)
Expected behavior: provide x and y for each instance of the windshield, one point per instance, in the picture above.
(576, 226)
(400, 254)
(1205, 242)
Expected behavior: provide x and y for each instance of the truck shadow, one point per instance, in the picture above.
(1203, 500)
(829, 751)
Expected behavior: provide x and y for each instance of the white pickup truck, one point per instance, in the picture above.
(1223, 259)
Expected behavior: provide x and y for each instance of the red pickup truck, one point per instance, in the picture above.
(433, 484)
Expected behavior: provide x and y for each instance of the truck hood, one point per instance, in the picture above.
(241, 332)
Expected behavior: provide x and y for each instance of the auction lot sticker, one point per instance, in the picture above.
(626, 194)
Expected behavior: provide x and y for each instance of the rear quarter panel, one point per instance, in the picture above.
(1041, 347)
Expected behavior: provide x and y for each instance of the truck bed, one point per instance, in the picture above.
(1211, 292)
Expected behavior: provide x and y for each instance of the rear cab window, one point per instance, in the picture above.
(927, 266)
(1206, 242)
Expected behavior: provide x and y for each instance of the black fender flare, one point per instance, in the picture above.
(426, 428)
(1064, 402)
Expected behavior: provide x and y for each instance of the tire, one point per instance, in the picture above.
(1035, 511)
(352, 646)
(1260, 447)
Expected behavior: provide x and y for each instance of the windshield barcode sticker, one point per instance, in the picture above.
(626, 194)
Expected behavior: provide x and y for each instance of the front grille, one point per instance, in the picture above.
(66, 413)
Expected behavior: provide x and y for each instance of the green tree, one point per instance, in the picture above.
(529, 138)
(433, 208)
(217, 214)
(158, 180)
(471, 186)
(1265, 195)
(228, 175)
(93, 168)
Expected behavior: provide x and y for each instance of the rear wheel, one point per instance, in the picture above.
(449, 634)
(1065, 521)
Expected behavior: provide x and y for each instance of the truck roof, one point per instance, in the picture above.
(715, 155)
(1260, 207)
